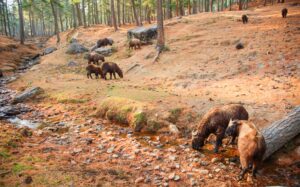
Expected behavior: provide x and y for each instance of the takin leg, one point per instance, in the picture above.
(254, 168)
(110, 75)
(114, 73)
(245, 165)
(220, 135)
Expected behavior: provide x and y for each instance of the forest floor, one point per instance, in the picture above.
(201, 69)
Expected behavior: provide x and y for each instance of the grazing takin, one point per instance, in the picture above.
(215, 121)
(104, 42)
(245, 19)
(111, 68)
(95, 57)
(251, 145)
(135, 43)
(284, 12)
(93, 69)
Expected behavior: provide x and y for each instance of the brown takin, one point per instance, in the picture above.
(245, 19)
(104, 42)
(111, 68)
(94, 57)
(135, 43)
(93, 69)
(284, 12)
(251, 145)
(215, 121)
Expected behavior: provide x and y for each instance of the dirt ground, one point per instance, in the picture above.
(201, 69)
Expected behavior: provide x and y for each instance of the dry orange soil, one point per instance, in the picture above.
(201, 69)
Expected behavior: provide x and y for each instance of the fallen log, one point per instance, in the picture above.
(282, 131)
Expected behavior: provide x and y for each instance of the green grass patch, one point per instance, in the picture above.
(4, 154)
(18, 167)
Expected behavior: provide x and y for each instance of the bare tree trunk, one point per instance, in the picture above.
(78, 14)
(240, 4)
(60, 19)
(189, 7)
(74, 16)
(83, 13)
(135, 14)
(8, 22)
(222, 7)
(119, 13)
(211, 5)
(160, 30)
(282, 131)
(123, 12)
(113, 16)
(140, 12)
(194, 7)
(55, 21)
(2, 9)
(21, 22)
(169, 10)
(229, 5)
(177, 8)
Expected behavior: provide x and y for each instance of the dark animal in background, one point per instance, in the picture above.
(215, 121)
(284, 12)
(135, 43)
(1, 73)
(94, 57)
(111, 68)
(93, 69)
(251, 145)
(245, 19)
(104, 42)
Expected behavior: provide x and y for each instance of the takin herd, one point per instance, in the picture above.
(224, 121)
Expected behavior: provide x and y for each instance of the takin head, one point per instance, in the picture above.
(197, 140)
(232, 128)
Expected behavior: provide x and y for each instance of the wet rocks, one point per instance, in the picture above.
(27, 94)
(12, 110)
(105, 51)
(72, 63)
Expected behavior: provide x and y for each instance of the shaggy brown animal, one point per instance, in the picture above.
(111, 68)
(93, 69)
(245, 19)
(104, 42)
(94, 57)
(215, 121)
(251, 145)
(135, 43)
(284, 12)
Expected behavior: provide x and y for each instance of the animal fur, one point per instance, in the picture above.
(135, 43)
(93, 69)
(215, 121)
(284, 12)
(251, 145)
(104, 42)
(94, 57)
(111, 68)
(245, 19)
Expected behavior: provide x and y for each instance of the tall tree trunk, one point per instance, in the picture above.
(211, 5)
(282, 131)
(240, 4)
(74, 16)
(229, 5)
(61, 20)
(140, 12)
(181, 8)
(113, 16)
(177, 8)
(8, 22)
(21, 22)
(189, 7)
(135, 14)
(55, 21)
(96, 12)
(169, 9)
(2, 9)
(32, 19)
(83, 13)
(195, 6)
(160, 27)
(222, 6)
(77, 5)
(123, 12)
(119, 13)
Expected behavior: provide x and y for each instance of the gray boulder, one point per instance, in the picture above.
(29, 93)
(75, 48)
(105, 51)
(49, 50)
(143, 34)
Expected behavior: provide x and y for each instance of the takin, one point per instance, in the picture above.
(135, 43)
(111, 68)
(245, 19)
(93, 69)
(104, 42)
(94, 57)
(251, 145)
(215, 121)
(284, 12)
